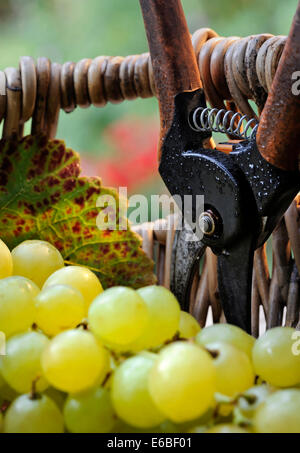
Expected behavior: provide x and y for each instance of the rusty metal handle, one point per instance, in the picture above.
(173, 58)
(278, 136)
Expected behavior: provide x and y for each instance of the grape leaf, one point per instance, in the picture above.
(42, 196)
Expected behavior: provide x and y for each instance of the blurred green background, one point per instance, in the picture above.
(66, 30)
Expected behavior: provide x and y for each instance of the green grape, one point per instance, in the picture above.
(6, 263)
(226, 333)
(197, 430)
(274, 359)
(80, 278)
(6, 392)
(59, 308)
(162, 324)
(119, 315)
(226, 429)
(110, 373)
(182, 381)
(234, 370)
(36, 260)
(201, 421)
(56, 396)
(17, 308)
(188, 325)
(2, 380)
(74, 361)
(33, 415)
(163, 321)
(89, 412)
(130, 392)
(33, 288)
(166, 427)
(279, 414)
(250, 400)
(22, 363)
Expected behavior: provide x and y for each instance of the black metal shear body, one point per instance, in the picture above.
(246, 192)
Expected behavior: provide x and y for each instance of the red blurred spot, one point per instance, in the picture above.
(134, 162)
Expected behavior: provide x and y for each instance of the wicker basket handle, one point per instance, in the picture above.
(231, 69)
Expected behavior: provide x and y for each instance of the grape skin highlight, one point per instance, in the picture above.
(234, 371)
(21, 366)
(59, 308)
(163, 321)
(188, 325)
(6, 262)
(80, 278)
(36, 260)
(229, 334)
(119, 316)
(182, 382)
(279, 414)
(274, 360)
(74, 361)
(130, 392)
(27, 415)
(89, 412)
(17, 308)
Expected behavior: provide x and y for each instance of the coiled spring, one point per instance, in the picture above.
(223, 121)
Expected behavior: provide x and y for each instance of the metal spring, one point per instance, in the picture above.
(223, 121)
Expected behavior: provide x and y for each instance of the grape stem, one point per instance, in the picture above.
(33, 394)
(84, 325)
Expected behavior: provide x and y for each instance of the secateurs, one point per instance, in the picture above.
(247, 191)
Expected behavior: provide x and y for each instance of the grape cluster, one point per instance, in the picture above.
(83, 360)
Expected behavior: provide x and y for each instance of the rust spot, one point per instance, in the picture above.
(68, 155)
(76, 228)
(55, 197)
(71, 170)
(52, 181)
(3, 179)
(12, 216)
(79, 201)
(69, 185)
(56, 158)
(29, 208)
(104, 249)
(91, 215)
(39, 161)
(59, 245)
(7, 166)
(90, 191)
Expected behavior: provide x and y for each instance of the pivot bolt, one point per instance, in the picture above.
(207, 223)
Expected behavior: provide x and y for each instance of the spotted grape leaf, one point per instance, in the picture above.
(42, 196)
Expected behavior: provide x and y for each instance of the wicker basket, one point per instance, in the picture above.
(276, 282)
(233, 71)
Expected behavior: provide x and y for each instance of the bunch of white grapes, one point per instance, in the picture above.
(83, 360)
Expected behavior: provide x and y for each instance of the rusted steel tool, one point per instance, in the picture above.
(247, 191)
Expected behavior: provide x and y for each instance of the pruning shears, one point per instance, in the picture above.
(247, 191)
